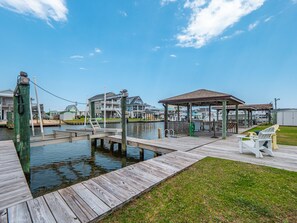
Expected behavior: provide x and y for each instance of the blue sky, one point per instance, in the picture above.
(155, 49)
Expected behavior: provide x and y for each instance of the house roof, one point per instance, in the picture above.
(262, 106)
(100, 97)
(255, 107)
(6, 93)
(202, 97)
(131, 100)
(70, 107)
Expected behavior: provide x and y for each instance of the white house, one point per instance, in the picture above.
(6, 103)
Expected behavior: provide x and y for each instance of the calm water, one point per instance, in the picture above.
(60, 165)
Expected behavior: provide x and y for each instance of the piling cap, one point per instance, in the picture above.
(23, 74)
(124, 93)
(23, 78)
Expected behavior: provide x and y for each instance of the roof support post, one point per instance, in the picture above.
(224, 121)
(178, 118)
(165, 118)
(191, 111)
(209, 117)
(217, 115)
(236, 117)
(245, 119)
(269, 116)
(248, 118)
(188, 113)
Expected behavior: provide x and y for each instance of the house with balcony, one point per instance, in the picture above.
(6, 103)
(112, 107)
(135, 106)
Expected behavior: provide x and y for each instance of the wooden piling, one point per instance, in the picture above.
(119, 146)
(22, 121)
(111, 146)
(159, 133)
(124, 122)
(141, 154)
(165, 118)
(102, 143)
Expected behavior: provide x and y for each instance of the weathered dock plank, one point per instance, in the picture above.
(91, 200)
(39, 211)
(59, 208)
(13, 185)
(78, 205)
(19, 213)
(103, 194)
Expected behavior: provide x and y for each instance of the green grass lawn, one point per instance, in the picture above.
(216, 190)
(286, 136)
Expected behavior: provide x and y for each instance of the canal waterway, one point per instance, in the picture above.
(61, 165)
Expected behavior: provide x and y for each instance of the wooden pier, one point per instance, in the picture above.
(165, 145)
(71, 135)
(13, 185)
(91, 200)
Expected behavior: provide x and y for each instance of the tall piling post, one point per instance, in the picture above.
(22, 121)
(124, 125)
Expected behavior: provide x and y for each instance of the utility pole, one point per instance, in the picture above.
(275, 107)
(275, 102)
(39, 110)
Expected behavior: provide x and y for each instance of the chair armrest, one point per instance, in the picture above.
(244, 137)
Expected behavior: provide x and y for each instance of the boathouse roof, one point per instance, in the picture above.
(202, 97)
(254, 107)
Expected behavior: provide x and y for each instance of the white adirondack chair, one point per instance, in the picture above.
(260, 143)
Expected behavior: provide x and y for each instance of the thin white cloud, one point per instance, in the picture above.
(47, 10)
(83, 68)
(236, 33)
(210, 18)
(166, 2)
(253, 25)
(77, 57)
(173, 55)
(269, 18)
(97, 50)
(156, 48)
(123, 13)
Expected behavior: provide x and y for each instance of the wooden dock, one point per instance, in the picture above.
(71, 135)
(91, 200)
(284, 158)
(13, 185)
(165, 145)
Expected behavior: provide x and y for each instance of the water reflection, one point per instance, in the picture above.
(61, 165)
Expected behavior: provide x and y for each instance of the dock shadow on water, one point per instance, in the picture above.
(57, 166)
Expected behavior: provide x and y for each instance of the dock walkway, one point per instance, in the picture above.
(13, 185)
(165, 145)
(284, 158)
(91, 200)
